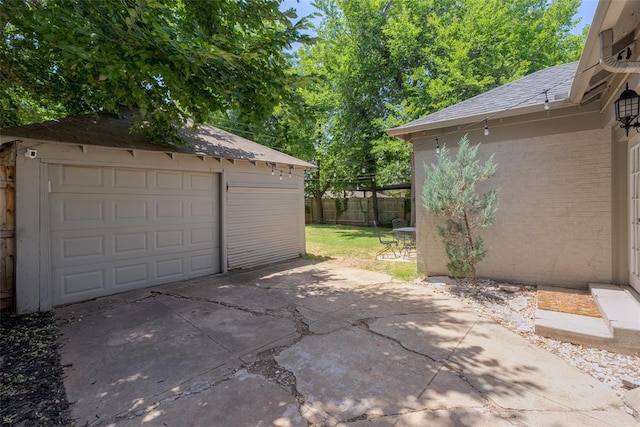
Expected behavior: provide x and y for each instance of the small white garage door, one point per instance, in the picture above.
(263, 224)
(116, 229)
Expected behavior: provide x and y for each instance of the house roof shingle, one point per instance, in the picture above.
(110, 130)
(521, 93)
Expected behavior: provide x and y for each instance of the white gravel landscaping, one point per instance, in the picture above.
(514, 306)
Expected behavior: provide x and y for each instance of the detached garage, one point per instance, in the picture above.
(100, 211)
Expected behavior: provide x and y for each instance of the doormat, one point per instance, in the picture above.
(568, 301)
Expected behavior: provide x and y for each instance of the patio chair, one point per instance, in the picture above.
(389, 245)
(398, 222)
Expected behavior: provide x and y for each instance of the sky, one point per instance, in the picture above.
(585, 12)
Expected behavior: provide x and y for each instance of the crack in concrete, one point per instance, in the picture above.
(265, 364)
(212, 301)
(489, 404)
(367, 417)
(194, 377)
(194, 326)
(292, 313)
(195, 388)
(363, 323)
(143, 297)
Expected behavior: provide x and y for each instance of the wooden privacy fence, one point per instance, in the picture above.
(7, 227)
(358, 210)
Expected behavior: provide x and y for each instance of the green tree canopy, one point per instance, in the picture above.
(173, 59)
(381, 63)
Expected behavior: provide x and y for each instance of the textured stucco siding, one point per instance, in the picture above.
(554, 220)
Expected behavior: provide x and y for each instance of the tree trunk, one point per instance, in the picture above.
(472, 262)
(374, 199)
(412, 191)
(319, 212)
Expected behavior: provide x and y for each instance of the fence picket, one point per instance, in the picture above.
(359, 210)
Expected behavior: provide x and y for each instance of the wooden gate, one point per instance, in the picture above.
(7, 226)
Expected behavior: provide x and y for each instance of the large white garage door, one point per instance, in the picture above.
(116, 229)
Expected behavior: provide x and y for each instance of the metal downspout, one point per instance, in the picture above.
(606, 56)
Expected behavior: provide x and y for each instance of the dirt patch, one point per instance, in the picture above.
(267, 366)
(32, 391)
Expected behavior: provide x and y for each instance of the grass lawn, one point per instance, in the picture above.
(356, 247)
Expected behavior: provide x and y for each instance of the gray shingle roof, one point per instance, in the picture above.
(110, 130)
(520, 93)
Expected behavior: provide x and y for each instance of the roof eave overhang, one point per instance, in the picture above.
(290, 162)
(405, 132)
(620, 16)
(589, 55)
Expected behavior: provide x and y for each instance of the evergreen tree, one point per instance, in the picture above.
(450, 192)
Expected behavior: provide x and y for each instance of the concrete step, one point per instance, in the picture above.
(617, 305)
(618, 329)
(620, 307)
(585, 330)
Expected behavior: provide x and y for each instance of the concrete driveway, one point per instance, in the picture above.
(302, 344)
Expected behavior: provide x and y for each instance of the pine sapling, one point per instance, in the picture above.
(450, 192)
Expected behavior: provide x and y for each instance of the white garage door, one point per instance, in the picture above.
(263, 224)
(116, 229)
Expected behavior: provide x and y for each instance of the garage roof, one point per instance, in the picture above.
(110, 130)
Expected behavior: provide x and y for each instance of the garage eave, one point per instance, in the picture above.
(109, 130)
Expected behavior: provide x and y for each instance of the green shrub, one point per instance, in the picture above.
(450, 192)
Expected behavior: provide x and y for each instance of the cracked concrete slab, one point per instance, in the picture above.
(237, 331)
(632, 399)
(596, 418)
(245, 399)
(436, 334)
(516, 374)
(249, 296)
(312, 343)
(127, 355)
(439, 418)
(320, 323)
(351, 372)
(449, 390)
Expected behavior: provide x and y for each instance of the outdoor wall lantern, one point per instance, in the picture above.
(628, 109)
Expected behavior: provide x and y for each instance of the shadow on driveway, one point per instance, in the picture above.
(306, 343)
